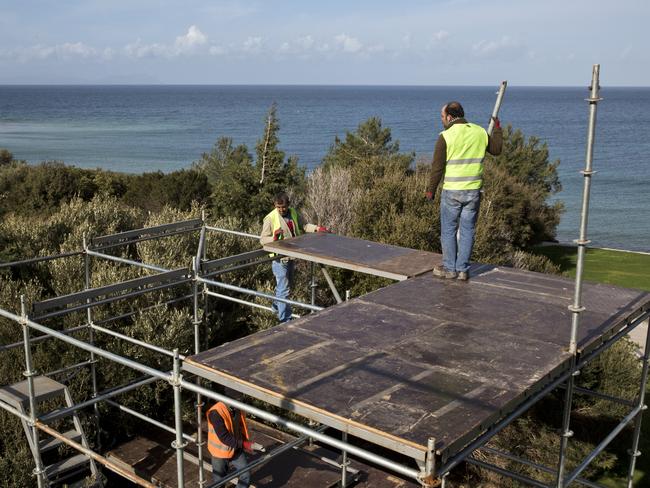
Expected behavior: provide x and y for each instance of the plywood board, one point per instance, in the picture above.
(398, 263)
(422, 358)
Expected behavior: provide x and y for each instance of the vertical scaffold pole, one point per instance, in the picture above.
(576, 307)
(93, 360)
(634, 452)
(313, 284)
(197, 349)
(428, 478)
(344, 463)
(178, 444)
(29, 374)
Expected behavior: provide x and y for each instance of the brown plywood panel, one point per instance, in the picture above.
(424, 357)
(360, 255)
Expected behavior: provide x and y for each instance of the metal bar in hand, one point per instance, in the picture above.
(497, 106)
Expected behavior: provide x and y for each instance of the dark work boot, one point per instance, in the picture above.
(441, 272)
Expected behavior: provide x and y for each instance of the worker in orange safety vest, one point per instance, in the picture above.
(228, 441)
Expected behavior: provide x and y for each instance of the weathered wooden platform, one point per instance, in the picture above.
(424, 357)
(151, 456)
(398, 263)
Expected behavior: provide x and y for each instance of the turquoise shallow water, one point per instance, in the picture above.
(150, 128)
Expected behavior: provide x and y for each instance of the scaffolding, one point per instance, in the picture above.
(429, 470)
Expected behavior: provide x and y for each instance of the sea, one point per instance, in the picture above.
(141, 128)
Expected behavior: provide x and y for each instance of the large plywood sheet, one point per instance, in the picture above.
(422, 358)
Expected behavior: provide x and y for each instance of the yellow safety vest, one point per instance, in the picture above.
(215, 447)
(466, 145)
(276, 220)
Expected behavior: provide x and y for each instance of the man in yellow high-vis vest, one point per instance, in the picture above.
(458, 160)
(284, 222)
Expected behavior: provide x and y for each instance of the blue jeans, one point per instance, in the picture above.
(458, 213)
(220, 469)
(283, 273)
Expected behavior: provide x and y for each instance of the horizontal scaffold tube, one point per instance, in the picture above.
(126, 261)
(149, 420)
(137, 342)
(113, 392)
(260, 294)
(87, 347)
(244, 302)
(234, 232)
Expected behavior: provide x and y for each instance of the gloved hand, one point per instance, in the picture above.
(323, 229)
(428, 195)
(278, 234)
(497, 122)
(248, 447)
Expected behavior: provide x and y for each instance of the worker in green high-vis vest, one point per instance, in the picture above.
(458, 161)
(284, 222)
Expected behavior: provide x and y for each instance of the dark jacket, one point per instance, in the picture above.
(233, 441)
(495, 143)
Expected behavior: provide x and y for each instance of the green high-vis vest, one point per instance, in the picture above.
(466, 145)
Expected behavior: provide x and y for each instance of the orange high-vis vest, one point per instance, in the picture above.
(215, 446)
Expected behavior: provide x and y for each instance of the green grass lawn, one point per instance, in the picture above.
(631, 270)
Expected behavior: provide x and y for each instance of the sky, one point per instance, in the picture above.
(334, 42)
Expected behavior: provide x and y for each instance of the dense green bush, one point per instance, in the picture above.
(40, 189)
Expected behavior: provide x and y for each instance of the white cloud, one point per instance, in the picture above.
(194, 37)
(108, 53)
(139, 50)
(301, 45)
(348, 44)
(506, 48)
(440, 35)
(185, 44)
(65, 51)
(253, 45)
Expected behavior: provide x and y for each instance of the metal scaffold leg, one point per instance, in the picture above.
(634, 452)
(178, 444)
(576, 307)
(29, 374)
(93, 360)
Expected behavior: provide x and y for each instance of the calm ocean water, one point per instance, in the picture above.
(150, 128)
